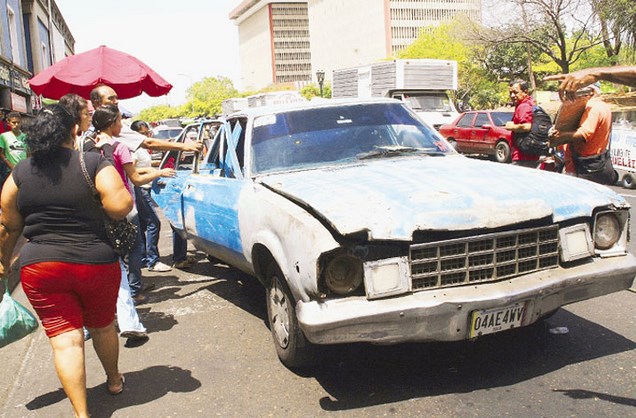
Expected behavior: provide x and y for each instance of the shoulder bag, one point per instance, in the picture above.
(122, 234)
(16, 322)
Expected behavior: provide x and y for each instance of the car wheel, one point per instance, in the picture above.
(629, 182)
(293, 349)
(502, 152)
(452, 143)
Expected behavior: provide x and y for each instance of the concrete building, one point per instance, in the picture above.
(33, 35)
(274, 42)
(287, 41)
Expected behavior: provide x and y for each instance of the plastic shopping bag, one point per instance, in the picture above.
(16, 321)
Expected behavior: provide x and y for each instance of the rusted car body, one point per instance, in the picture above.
(366, 226)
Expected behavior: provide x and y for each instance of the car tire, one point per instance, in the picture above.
(293, 349)
(502, 152)
(629, 181)
(453, 143)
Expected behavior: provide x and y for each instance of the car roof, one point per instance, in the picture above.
(313, 104)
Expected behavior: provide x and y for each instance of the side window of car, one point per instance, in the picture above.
(227, 154)
(212, 145)
(234, 152)
(466, 121)
(181, 160)
(482, 119)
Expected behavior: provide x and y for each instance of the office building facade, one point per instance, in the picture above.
(282, 42)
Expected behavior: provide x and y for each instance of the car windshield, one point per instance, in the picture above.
(167, 133)
(500, 118)
(429, 102)
(332, 135)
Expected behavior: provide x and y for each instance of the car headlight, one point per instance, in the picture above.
(607, 230)
(343, 274)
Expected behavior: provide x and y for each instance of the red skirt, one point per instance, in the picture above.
(68, 296)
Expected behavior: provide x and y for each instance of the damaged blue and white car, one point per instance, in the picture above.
(364, 225)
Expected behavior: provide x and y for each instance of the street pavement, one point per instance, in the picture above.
(210, 354)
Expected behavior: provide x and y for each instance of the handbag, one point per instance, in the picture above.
(16, 322)
(122, 234)
(597, 168)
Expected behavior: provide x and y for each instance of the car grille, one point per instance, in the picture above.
(483, 258)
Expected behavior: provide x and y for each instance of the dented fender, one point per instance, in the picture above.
(295, 238)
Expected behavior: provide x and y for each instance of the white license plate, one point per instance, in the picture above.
(489, 321)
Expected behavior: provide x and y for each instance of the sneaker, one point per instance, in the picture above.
(184, 264)
(159, 267)
(135, 335)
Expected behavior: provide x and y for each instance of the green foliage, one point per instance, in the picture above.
(313, 90)
(478, 87)
(205, 96)
(438, 43)
(160, 112)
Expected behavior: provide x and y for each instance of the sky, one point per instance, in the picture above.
(182, 40)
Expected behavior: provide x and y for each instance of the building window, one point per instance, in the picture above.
(44, 54)
(409, 17)
(13, 36)
(292, 55)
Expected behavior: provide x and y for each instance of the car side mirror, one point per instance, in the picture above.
(486, 126)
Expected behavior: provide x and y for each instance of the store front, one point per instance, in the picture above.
(15, 93)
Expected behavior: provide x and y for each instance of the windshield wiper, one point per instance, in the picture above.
(396, 150)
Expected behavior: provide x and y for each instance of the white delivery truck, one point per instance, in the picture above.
(229, 106)
(623, 151)
(422, 83)
(272, 98)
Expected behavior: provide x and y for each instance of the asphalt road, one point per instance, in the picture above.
(210, 354)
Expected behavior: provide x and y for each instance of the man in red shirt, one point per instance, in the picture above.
(521, 122)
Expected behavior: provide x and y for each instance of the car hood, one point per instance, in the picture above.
(392, 198)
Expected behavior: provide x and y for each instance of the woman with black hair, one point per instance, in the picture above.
(69, 271)
(77, 106)
(107, 124)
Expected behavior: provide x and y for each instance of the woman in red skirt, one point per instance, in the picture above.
(69, 271)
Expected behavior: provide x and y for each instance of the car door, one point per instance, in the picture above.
(479, 133)
(166, 191)
(463, 132)
(211, 197)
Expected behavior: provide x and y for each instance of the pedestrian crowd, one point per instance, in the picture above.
(69, 170)
(79, 170)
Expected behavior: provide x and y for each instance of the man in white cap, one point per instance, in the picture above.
(587, 148)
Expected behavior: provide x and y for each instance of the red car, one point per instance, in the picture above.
(481, 132)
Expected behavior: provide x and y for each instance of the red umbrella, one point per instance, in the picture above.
(80, 73)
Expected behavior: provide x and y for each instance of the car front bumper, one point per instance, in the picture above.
(444, 314)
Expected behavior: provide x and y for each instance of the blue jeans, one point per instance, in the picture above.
(133, 262)
(150, 226)
(179, 247)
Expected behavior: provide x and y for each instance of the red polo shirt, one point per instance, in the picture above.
(523, 114)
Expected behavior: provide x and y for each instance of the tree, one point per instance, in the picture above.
(477, 87)
(617, 19)
(156, 113)
(313, 90)
(205, 96)
(562, 30)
